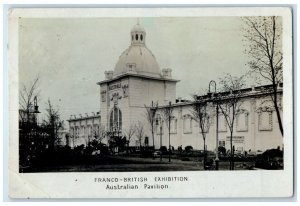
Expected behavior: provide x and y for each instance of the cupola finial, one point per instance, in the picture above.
(138, 34)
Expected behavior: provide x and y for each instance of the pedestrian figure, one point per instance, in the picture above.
(180, 149)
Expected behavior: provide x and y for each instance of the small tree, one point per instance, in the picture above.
(201, 115)
(129, 132)
(230, 103)
(115, 138)
(27, 94)
(99, 133)
(53, 122)
(167, 116)
(263, 37)
(140, 132)
(117, 142)
(150, 114)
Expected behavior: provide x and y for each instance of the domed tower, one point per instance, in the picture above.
(137, 58)
(136, 81)
(138, 34)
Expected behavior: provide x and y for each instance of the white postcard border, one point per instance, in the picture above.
(259, 183)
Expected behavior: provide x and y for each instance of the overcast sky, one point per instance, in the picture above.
(71, 55)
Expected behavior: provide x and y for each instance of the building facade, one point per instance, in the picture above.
(83, 129)
(255, 126)
(137, 81)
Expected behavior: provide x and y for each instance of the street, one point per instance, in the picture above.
(133, 164)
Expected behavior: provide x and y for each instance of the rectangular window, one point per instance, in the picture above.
(73, 131)
(77, 131)
(90, 130)
(265, 121)
(187, 125)
(173, 129)
(222, 127)
(82, 131)
(242, 122)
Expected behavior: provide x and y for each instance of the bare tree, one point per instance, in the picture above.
(27, 117)
(230, 104)
(28, 93)
(200, 112)
(150, 114)
(263, 37)
(26, 98)
(140, 132)
(53, 122)
(129, 132)
(167, 116)
(99, 133)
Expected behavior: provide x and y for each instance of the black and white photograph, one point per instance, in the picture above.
(157, 94)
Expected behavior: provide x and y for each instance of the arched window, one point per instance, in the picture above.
(136, 37)
(131, 37)
(115, 119)
(141, 37)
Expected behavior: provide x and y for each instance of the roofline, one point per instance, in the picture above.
(83, 118)
(224, 95)
(136, 75)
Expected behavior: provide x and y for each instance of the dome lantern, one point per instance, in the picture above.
(138, 35)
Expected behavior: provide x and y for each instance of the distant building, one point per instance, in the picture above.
(137, 81)
(63, 137)
(83, 129)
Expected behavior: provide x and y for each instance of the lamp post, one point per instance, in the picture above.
(35, 112)
(31, 127)
(160, 128)
(36, 107)
(169, 116)
(212, 83)
(231, 145)
(152, 118)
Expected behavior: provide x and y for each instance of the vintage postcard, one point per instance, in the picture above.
(150, 103)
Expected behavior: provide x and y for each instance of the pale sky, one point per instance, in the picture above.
(71, 55)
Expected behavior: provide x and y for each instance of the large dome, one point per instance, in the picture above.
(137, 58)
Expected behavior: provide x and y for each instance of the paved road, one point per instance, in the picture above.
(132, 164)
